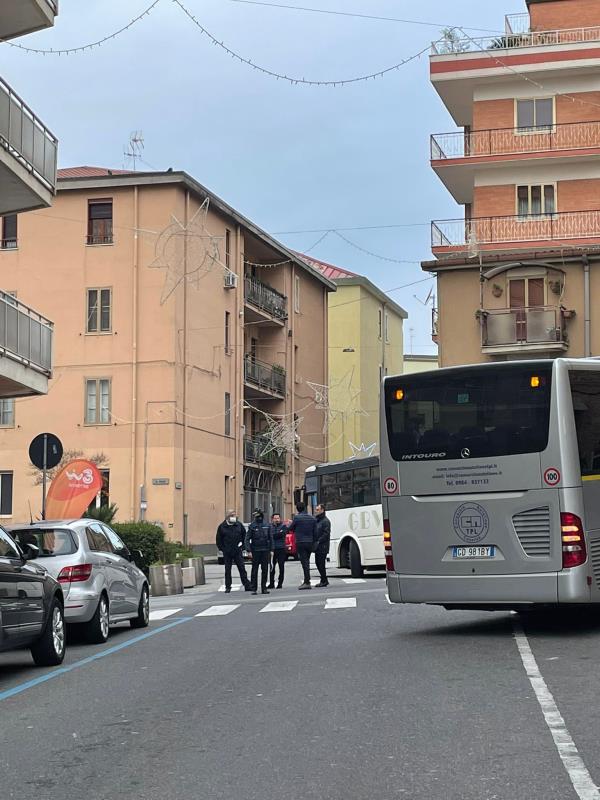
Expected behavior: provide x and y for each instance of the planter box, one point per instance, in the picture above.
(198, 565)
(189, 577)
(166, 580)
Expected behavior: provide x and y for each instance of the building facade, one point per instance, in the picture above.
(187, 337)
(419, 363)
(518, 270)
(365, 343)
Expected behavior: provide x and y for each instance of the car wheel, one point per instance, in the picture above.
(143, 615)
(96, 631)
(356, 567)
(49, 650)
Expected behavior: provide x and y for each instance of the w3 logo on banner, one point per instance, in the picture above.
(73, 489)
(86, 477)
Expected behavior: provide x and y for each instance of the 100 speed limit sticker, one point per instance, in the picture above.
(552, 476)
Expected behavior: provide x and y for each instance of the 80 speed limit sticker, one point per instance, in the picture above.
(552, 476)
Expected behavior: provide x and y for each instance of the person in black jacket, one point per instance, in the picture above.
(230, 538)
(259, 542)
(304, 525)
(322, 547)
(279, 530)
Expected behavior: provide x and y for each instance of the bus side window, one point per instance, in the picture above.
(585, 391)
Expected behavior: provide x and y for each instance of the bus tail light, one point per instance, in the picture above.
(574, 552)
(387, 545)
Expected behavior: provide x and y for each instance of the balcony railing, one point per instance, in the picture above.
(53, 5)
(93, 238)
(453, 46)
(27, 138)
(266, 298)
(522, 326)
(257, 450)
(265, 376)
(25, 336)
(565, 226)
(517, 23)
(513, 141)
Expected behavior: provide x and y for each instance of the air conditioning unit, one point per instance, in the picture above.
(230, 280)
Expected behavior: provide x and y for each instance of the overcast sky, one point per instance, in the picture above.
(292, 158)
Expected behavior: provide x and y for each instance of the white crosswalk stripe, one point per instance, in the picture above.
(162, 613)
(283, 605)
(353, 580)
(340, 602)
(233, 588)
(217, 611)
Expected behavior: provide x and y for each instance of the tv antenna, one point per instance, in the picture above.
(429, 300)
(133, 151)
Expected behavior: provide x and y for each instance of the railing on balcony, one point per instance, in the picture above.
(258, 450)
(264, 376)
(53, 5)
(266, 298)
(25, 336)
(27, 138)
(452, 46)
(517, 23)
(512, 141)
(557, 227)
(521, 326)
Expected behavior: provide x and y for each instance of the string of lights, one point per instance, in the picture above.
(370, 253)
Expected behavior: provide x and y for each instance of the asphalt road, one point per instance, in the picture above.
(364, 701)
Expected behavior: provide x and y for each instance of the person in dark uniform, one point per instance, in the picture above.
(304, 525)
(259, 542)
(322, 546)
(279, 530)
(230, 538)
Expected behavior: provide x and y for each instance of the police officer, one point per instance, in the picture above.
(279, 530)
(322, 546)
(304, 525)
(259, 542)
(230, 538)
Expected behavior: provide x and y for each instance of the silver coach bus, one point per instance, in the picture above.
(490, 479)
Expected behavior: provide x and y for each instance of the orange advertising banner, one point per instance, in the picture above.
(72, 490)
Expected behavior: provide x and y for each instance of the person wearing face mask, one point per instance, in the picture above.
(230, 539)
(259, 542)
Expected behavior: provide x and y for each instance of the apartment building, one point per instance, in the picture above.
(517, 271)
(365, 343)
(187, 337)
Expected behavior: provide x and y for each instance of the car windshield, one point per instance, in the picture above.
(50, 541)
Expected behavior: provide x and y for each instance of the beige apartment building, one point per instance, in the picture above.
(518, 272)
(187, 337)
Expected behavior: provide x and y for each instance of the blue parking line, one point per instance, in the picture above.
(22, 687)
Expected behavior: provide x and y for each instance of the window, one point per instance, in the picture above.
(227, 333)
(379, 323)
(7, 413)
(9, 232)
(535, 114)
(50, 541)
(381, 373)
(97, 539)
(99, 310)
(227, 414)
(536, 200)
(97, 401)
(585, 391)
(228, 248)
(7, 546)
(349, 488)
(297, 294)
(117, 545)
(387, 327)
(6, 494)
(100, 222)
(102, 499)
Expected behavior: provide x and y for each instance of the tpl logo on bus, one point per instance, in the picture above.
(471, 522)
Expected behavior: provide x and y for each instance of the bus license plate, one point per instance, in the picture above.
(474, 552)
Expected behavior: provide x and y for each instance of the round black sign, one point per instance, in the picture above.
(54, 451)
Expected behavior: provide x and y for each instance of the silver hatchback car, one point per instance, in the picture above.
(100, 581)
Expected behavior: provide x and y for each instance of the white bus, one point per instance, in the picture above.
(350, 491)
(491, 485)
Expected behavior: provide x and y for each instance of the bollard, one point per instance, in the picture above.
(198, 565)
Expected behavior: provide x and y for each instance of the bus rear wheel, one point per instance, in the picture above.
(356, 567)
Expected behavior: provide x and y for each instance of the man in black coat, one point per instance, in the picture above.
(304, 525)
(259, 541)
(322, 546)
(279, 530)
(230, 538)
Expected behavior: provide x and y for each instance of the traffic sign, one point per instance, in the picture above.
(53, 448)
(390, 485)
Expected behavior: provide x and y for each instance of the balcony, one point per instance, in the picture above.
(26, 16)
(512, 40)
(257, 452)
(28, 153)
(25, 349)
(547, 231)
(523, 330)
(264, 381)
(517, 23)
(264, 304)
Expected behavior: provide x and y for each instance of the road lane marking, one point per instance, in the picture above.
(283, 605)
(354, 580)
(233, 588)
(340, 602)
(217, 611)
(573, 763)
(163, 613)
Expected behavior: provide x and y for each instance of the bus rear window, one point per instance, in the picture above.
(476, 412)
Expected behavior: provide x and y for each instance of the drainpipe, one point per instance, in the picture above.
(184, 491)
(587, 346)
(134, 357)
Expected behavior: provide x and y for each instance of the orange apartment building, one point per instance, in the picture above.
(182, 324)
(518, 273)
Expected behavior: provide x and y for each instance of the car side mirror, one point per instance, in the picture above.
(137, 557)
(30, 551)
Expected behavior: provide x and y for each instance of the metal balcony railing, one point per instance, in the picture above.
(470, 233)
(520, 326)
(257, 451)
(25, 336)
(24, 136)
(453, 46)
(264, 376)
(517, 23)
(512, 141)
(266, 298)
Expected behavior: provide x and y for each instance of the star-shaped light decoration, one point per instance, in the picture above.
(187, 252)
(321, 394)
(281, 435)
(365, 450)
